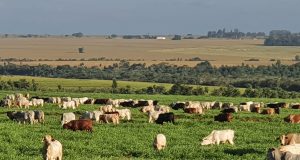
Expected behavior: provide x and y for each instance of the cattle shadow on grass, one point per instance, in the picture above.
(241, 152)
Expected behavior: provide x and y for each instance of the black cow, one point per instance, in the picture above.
(127, 104)
(176, 106)
(101, 101)
(165, 117)
(228, 110)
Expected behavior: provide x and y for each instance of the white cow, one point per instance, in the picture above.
(164, 109)
(107, 108)
(217, 136)
(160, 142)
(114, 103)
(23, 102)
(66, 105)
(37, 102)
(153, 115)
(67, 117)
(146, 109)
(52, 149)
(124, 113)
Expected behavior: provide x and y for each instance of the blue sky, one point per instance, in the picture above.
(146, 16)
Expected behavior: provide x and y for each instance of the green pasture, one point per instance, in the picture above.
(254, 133)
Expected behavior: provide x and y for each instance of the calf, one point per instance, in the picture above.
(224, 117)
(217, 136)
(52, 149)
(165, 117)
(292, 118)
(81, 124)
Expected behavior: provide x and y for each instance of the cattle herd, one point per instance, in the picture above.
(112, 111)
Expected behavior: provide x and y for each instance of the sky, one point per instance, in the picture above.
(104, 17)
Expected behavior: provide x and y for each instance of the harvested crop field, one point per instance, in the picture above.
(218, 51)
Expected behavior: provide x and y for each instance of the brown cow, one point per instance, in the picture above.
(81, 124)
(223, 117)
(292, 118)
(270, 111)
(190, 110)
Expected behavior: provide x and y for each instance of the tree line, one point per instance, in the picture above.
(282, 38)
(277, 75)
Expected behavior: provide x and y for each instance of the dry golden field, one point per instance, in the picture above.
(219, 51)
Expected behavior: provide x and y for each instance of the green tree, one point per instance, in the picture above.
(114, 85)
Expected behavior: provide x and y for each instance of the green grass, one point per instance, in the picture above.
(254, 133)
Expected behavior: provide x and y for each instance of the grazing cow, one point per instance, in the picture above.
(37, 102)
(147, 109)
(52, 149)
(10, 97)
(207, 105)
(196, 105)
(86, 115)
(290, 139)
(160, 142)
(217, 105)
(164, 109)
(91, 115)
(39, 116)
(30, 115)
(69, 104)
(165, 117)
(90, 101)
(226, 105)
(217, 136)
(177, 105)
(8, 103)
(296, 106)
(23, 102)
(229, 110)
(114, 103)
(66, 99)
(81, 124)
(67, 117)
(127, 104)
(292, 118)
(194, 110)
(256, 110)
(110, 117)
(277, 154)
(142, 103)
(270, 111)
(107, 108)
(124, 113)
(101, 101)
(83, 100)
(224, 117)
(76, 101)
(20, 117)
(153, 116)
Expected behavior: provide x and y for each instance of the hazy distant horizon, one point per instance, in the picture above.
(154, 17)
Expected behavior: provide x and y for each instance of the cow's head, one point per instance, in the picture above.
(283, 139)
(47, 139)
(288, 118)
(206, 142)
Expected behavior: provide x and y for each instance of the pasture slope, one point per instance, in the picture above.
(52, 83)
(254, 133)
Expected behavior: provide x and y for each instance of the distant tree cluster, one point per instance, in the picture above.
(283, 38)
(139, 37)
(21, 84)
(235, 34)
(277, 75)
